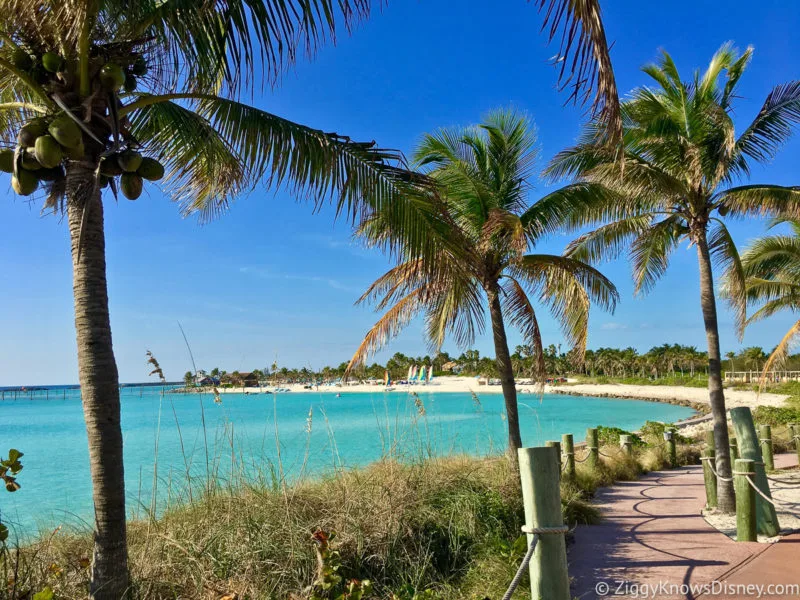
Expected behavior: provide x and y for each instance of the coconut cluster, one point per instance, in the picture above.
(45, 144)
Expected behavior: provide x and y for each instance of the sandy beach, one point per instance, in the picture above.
(656, 393)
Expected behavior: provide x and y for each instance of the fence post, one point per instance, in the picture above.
(796, 438)
(765, 438)
(745, 501)
(709, 478)
(708, 436)
(669, 436)
(594, 449)
(766, 517)
(568, 444)
(734, 449)
(557, 446)
(626, 444)
(539, 473)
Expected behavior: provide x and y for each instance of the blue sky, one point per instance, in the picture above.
(272, 279)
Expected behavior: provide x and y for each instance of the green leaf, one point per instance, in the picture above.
(46, 594)
(14, 455)
(3, 533)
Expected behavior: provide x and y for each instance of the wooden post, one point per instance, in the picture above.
(708, 436)
(669, 437)
(766, 517)
(568, 444)
(557, 446)
(745, 501)
(796, 437)
(539, 472)
(709, 478)
(765, 438)
(594, 449)
(626, 444)
(734, 449)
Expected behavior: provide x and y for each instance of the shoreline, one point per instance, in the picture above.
(694, 398)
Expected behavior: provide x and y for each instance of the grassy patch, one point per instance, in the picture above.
(698, 381)
(443, 528)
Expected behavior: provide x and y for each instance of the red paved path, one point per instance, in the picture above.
(652, 532)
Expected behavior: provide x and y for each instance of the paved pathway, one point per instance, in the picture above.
(653, 535)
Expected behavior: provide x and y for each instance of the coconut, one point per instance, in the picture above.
(130, 83)
(21, 59)
(29, 161)
(49, 174)
(24, 183)
(109, 166)
(48, 152)
(129, 161)
(7, 160)
(76, 153)
(30, 131)
(131, 185)
(104, 180)
(112, 76)
(723, 210)
(66, 132)
(150, 169)
(139, 67)
(52, 62)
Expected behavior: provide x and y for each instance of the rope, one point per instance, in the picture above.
(786, 481)
(523, 565)
(710, 460)
(774, 503)
(536, 531)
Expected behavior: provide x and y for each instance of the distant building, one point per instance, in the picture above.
(452, 367)
(206, 380)
(247, 380)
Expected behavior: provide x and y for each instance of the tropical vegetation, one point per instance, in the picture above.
(676, 180)
(771, 267)
(109, 94)
(482, 177)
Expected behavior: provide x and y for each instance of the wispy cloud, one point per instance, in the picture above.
(351, 246)
(613, 326)
(263, 273)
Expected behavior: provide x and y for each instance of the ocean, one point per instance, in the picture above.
(175, 443)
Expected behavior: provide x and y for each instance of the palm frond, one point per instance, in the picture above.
(761, 200)
(521, 315)
(608, 241)
(780, 354)
(651, 249)
(585, 58)
(388, 326)
(772, 127)
(724, 253)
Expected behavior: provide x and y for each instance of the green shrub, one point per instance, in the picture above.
(609, 436)
(653, 433)
(773, 415)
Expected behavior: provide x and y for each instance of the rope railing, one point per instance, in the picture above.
(775, 503)
(536, 531)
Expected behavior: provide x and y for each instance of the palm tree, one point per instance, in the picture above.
(108, 80)
(483, 176)
(730, 356)
(676, 183)
(183, 65)
(771, 267)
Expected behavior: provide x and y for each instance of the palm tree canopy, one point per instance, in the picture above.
(682, 160)
(185, 65)
(771, 267)
(483, 178)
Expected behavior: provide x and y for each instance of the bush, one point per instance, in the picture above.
(609, 436)
(653, 433)
(773, 415)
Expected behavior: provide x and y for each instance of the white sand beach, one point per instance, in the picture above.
(733, 398)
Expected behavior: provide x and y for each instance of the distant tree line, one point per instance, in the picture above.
(666, 360)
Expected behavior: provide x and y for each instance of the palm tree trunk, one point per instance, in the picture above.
(506, 371)
(726, 501)
(99, 384)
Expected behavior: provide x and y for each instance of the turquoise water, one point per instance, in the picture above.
(265, 437)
